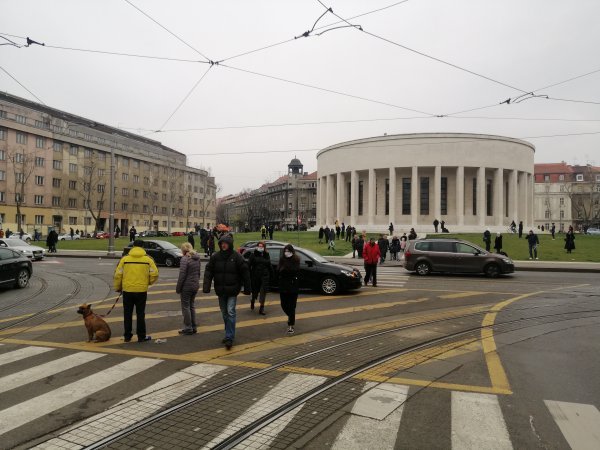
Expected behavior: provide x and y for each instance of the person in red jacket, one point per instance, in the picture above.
(371, 255)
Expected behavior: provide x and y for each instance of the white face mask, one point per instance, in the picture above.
(260, 249)
(288, 254)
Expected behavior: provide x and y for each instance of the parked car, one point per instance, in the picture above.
(250, 245)
(162, 252)
(67, 237)
(15, 268)
(593, 230)
(102, 235)
(26, 237)
(177, 233)
(162, 234)
(316, 272)
(148, 233)
(425, 256)
(30, 251)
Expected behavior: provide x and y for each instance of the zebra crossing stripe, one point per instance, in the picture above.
(579, 423)
(41, 371)
(22, 353)
(477, 422)
(34, 408)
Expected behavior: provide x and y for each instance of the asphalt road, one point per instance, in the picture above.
(532, 384)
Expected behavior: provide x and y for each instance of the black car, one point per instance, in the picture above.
(162, 252)
(316, 273)
(251, 245)
(15, 269)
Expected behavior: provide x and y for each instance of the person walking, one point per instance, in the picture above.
(360, 245)
(553, 230)
(271, 231)
(327, 232)
(288, 269)
(498, 242)
(570, 240)
(190, 239)
(384, 245)
(188, 285)
(349, 237)
(72, 233)
(230, 273)
(321, 234)
(135, 273)
(487, 238)
(533, 242)
(403, 240)
(343, 234)
(436, 223)
(391, 229)
(331, 241)
(338, 230)
(117, 231)
(520, 229)
(371, 256)
(51, 241)
(263, 232)
(354, 246)
(395, 248)
(132, 233)
(260, 274)
(210, 244)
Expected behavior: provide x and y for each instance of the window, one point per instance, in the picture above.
(39, 161)
(55, 201)
(579, 177)
(424, 196)
(39, 180)
(444, 196)
(100, 188)
(20, 177)
(562, 189)
(125, 162)
(72, 203)
(125, 177)
(124, 206)
(597, 178)
(57, 164)
(562, 214)
(406, 196)
(136, 164)
(56, 182)
(18, 198)
(101, 156)
(145, 208)
(39, 220)
(2, 175)
(100, 172)
(387, 196)
(72, 168)
(489, 192)
(2, 155)
(136, 178)
(40, 142)
(546, 177)
(2, 116)
(87, 170)
(465, 248)
(72, 220)
(3, 134)
(164, 184)
(57, 146)
(38, 199)
(20, 119)
(2, 197)
(547, 214)
(474, 196)
(136, 193)
(88, 152)
(164, 197)
(361, 189)
(19, 158)
(562, 201)
(21, 138)
(73, 150)
(561, 177)
(99, 204)
(125, 192)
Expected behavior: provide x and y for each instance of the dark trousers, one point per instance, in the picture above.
(371, 272)
(288, 304)
(259, 290)
(487, 245)
(135, 300)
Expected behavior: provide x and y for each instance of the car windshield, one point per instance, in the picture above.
(318, 258)
(168, 246)
(15, 243)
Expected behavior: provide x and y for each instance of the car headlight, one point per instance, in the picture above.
(507, 260)
(348, 273)
(178, 254)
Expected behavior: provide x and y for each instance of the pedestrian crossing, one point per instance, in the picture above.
(390, 276)
(374, 419)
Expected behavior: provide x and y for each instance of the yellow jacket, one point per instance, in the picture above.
(135, 272)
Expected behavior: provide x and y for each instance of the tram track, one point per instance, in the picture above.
(268, 418)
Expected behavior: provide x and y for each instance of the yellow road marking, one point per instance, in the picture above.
(460, 295)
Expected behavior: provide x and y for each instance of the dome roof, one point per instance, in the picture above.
(295, 162)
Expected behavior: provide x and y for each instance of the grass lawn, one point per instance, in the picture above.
(587, 247)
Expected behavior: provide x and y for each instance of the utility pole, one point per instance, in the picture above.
(111, 206)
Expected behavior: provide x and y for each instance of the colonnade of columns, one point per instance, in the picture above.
(510, 199)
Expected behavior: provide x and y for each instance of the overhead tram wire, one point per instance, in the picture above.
(22, 85)
(170, 32)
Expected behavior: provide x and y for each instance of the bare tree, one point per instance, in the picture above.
(23, 163)
(92, 187)
(585, 196)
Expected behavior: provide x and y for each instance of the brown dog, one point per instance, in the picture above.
(94, 324)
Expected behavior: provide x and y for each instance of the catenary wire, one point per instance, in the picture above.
(169, 31)
(21, 84)
(567, 80)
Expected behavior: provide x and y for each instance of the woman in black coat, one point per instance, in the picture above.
(288, 270)
(260, 275)
(570, 240)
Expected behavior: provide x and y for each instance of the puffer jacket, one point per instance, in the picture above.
(371, 253)
(189, 274)
(384, 244)
(288, 269)
(136, 272)
(228, 270)
(260, 267)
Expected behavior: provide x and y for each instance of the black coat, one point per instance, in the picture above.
(229, 271)
(288, 275)
(260, 268)
(570, 241)
(383, 245)
(498, 243)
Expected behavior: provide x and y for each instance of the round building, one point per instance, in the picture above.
(469, 181)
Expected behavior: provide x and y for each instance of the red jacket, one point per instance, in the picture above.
(371, 254)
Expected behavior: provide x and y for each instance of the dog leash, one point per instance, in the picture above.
(112, 307)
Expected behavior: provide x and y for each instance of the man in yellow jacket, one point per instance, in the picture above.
(135, 273)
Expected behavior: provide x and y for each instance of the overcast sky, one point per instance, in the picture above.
(524, 44)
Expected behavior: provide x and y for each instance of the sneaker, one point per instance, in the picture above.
(530, 258)
(290, 330)
(186, 332)
(127, 339)
(261, 311)
(228, 344)
(194, 331)
(145, 339)
(224, 340)
(537, 259)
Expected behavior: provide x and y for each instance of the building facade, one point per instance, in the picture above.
(470, 181)
(289, 201)
(55, 173)
(567, 195)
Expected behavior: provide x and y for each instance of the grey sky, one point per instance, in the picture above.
(527, 45)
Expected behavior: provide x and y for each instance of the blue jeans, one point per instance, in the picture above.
(227, 305)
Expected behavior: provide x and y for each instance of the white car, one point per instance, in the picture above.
(31, 251)
(593, 230)
(26, 237)
(67, 237)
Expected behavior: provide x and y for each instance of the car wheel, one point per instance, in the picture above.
(422, 268)
(330, 285)
(492, 270)
(22, 278)
(28, 240)
(169, 262)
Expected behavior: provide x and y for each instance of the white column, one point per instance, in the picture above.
(499, 196)
(330, 201)
(530, 199)
(513, 204)
(354, 198)
(319, 202)
(372, 197)
(340, 197)
(392, 177)
(323, 201)
(523, 198)
(414, 196)
(437, 193)
(460, 195)
(481, 198)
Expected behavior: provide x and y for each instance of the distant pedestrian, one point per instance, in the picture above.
(288, 270)
(190, 239)
(395, 248)
(412, 235)
(360, 245)
(321, 234)
(520, 229)
(343, 233)
(338, 231)
(132, 233)
(436, 223)
(487, 238)
(384, 245)
(117, 231)
(271, 230)
(188, 285)
(403, 240)
(533, 242)
(391, 229)
(230, 273)
(553, 230)
(513, 227)
(210, 241)
(51, 241)
(570, 240)
(327, 232)
(260, 275)
(354, 245)
(263, 232)
(331, 241)
(349, 234)
(443, 226)
(72, 233)
(498, 243)
(371, 256)
(135, 273)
